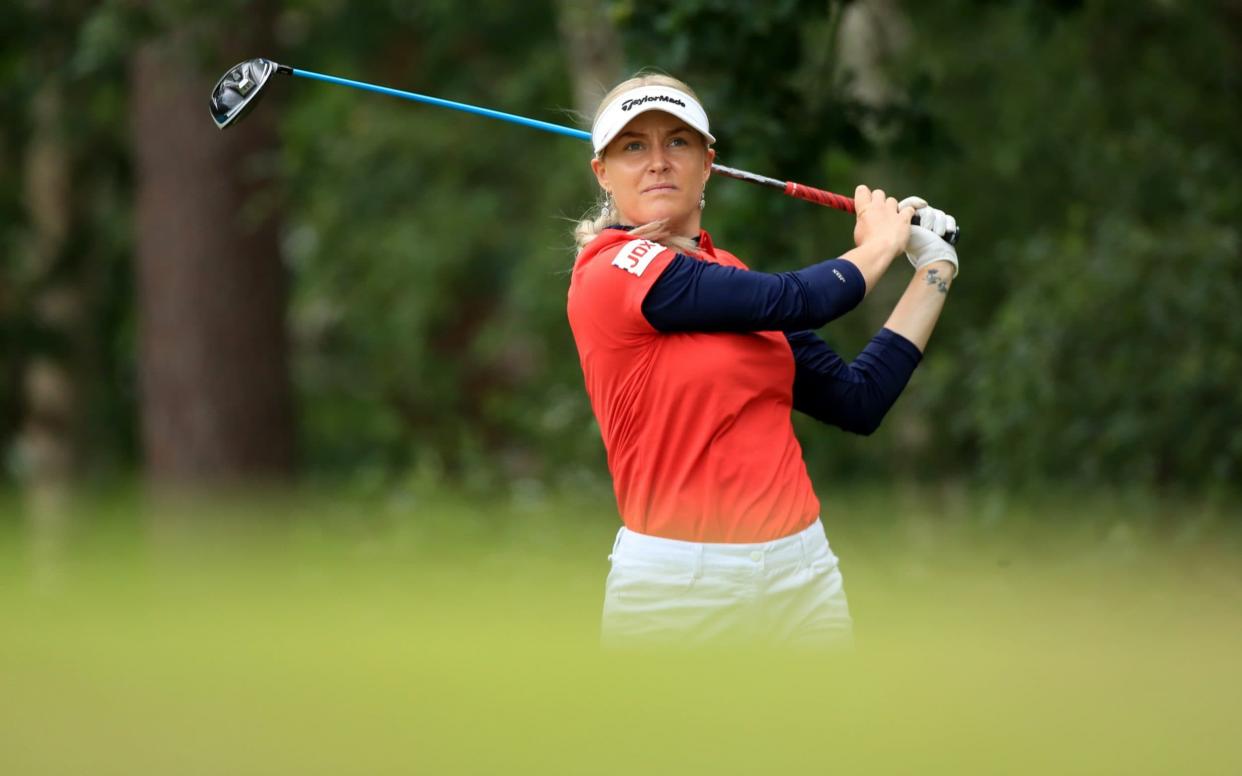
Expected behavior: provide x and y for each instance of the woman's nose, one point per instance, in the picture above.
(658, 160)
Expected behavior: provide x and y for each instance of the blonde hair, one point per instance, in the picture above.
(595, 220)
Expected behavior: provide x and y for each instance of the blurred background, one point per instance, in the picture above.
(352, 308)
(361, 290)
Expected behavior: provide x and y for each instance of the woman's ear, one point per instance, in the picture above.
(709, 157)
(601, 173)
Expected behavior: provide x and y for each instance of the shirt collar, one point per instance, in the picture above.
(704, 240)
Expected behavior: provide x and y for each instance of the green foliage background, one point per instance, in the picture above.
(1087, 148)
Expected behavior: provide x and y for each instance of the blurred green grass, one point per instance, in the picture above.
(329, 633)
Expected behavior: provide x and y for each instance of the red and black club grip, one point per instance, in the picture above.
(838, 202)
(819, 196)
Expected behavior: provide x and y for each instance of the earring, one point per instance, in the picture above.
(703, 199)
(605, 210)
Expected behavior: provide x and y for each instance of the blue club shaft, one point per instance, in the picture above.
(461, 106)
(809, 193)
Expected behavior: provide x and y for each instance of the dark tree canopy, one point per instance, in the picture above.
(1087, 148)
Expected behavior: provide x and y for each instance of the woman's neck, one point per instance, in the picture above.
(689, 231)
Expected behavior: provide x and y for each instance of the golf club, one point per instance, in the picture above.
(241, 86)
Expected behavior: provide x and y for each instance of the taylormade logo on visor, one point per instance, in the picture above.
(622, 110)
(626, 105)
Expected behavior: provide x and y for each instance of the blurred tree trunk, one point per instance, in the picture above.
(213, 373)
(48, 390)
(593, 50)
(50, 434)
(870, 33)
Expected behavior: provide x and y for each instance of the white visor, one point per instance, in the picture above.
(623, 109)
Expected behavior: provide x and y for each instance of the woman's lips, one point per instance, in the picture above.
(660, 187)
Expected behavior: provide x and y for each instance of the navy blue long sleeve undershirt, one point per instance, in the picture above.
(854, 396)
(695, 295)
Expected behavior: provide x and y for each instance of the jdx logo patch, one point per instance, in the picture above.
(636, 255)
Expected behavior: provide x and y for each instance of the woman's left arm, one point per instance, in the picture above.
(935, 267)
(856, 396)
(919, 308)
(853, 396)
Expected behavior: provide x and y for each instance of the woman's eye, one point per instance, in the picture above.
(677, 141)
(634, 146)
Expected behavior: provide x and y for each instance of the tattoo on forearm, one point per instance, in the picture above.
(934, 278)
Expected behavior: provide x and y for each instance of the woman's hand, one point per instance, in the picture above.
(881, 232)
(880, 222)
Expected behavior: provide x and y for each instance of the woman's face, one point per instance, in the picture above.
(656, 167)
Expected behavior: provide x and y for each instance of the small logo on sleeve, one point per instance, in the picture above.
(636, 255)
(840, 277)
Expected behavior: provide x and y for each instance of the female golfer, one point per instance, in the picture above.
(693, 365)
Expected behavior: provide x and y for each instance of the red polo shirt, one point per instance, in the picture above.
(697, 425)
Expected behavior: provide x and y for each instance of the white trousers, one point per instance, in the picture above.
(665, 592)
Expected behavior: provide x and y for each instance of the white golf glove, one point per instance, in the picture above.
(927, 243)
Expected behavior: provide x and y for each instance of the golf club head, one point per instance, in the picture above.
(240, 88)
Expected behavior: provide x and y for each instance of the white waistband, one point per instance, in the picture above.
(800, 547)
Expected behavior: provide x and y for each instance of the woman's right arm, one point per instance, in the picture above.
(693, 295)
